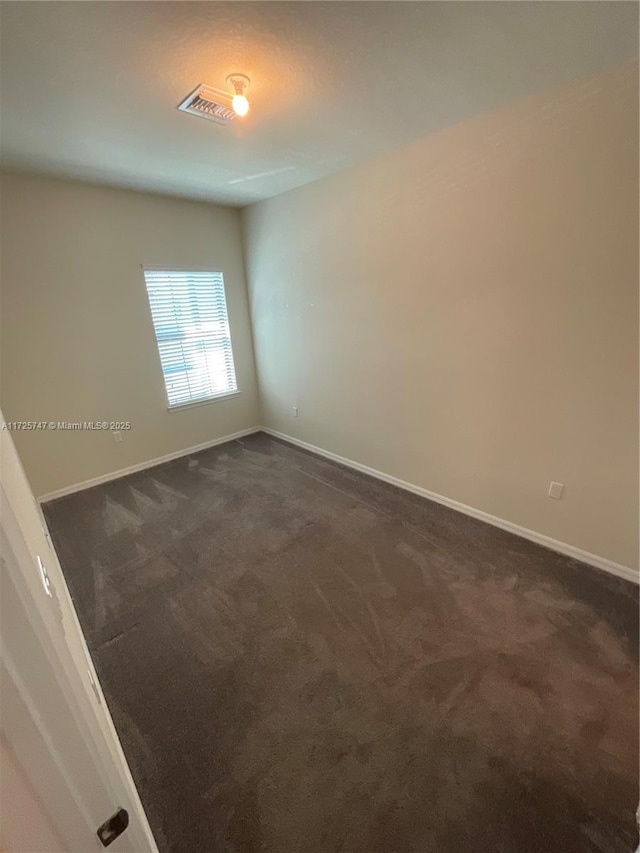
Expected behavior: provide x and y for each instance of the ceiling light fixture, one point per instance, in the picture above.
(240, 84)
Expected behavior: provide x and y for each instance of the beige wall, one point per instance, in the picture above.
(25, 826)
(77, 338)
(460, 313)
(463, 313)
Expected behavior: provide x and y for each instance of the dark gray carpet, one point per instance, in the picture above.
(301, 659)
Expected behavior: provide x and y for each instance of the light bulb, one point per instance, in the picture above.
(239, 84)
(240, 105)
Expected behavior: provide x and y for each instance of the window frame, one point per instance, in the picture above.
(206, 401)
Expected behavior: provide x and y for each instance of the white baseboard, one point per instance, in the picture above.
(141, 466)
(554, 544)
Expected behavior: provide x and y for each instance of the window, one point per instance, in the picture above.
(189, 312)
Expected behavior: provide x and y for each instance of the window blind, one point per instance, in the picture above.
(189, 313)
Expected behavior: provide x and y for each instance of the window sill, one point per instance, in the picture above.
(180, 406)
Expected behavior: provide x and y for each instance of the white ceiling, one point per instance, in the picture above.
(89, 89)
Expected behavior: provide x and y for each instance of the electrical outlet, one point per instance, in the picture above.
(117, 436)
(294, 410)
(556, 490)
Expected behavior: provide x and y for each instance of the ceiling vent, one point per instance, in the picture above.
(209, 103)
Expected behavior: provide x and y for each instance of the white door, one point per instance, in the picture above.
(54, 718)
